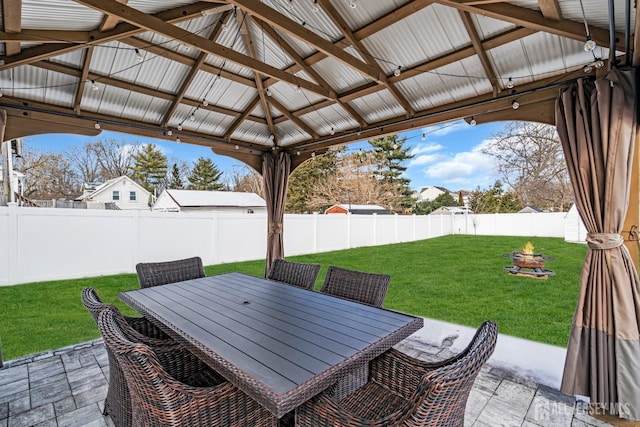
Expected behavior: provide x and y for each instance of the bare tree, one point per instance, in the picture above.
(48, 175)
(115, 157)
(246, 179)
(85, 160)
(530, 161)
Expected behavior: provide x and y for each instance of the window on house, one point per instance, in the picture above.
(132, 196)
(250, 211)
(116, 195)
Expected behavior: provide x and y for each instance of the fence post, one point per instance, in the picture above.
(12, 240)
(315, 232)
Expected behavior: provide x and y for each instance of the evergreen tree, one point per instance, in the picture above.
(494, 200)
(205, 175)
(175, 180)
(426, 207)
(390, 154)
(149, 167)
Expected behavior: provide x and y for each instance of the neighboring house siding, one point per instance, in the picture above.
(120, 191)
(209, 201)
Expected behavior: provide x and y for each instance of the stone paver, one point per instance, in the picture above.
(67, 388)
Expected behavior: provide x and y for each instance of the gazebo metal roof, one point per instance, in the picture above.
(245, 76)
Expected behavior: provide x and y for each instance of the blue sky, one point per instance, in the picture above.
(449, 155)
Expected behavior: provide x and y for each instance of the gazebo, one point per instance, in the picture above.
(274, 82)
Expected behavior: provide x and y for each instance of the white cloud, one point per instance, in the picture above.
(426, 148)
(425, 159)
(445, 128)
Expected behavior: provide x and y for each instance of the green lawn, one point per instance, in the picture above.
(457, 278)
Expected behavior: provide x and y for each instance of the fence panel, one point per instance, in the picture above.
(39, 244)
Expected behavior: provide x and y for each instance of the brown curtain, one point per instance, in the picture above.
(596, 122)
(275, 175)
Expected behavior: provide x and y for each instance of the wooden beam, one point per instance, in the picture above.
(12, 22)
(84, 78)
(531, 19)
(153, 24)
(482, 54)
(241, 118)
(364, 52)
(550, 9)
(122, 30)
(193, 72)
(308, 37)
(109, 22)
(302, 125)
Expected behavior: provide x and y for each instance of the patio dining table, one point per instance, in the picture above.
(278, 343)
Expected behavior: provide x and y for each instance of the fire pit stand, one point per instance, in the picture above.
(528, 265)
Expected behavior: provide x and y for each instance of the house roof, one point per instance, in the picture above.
(360, 209)
(246, 77)
(198, 198)
(108, 184)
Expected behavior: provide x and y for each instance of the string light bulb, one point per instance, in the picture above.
(205, 102)
(353, 4)
(180, 126)
(298, 89)
(291, 4)
(332, 131)
(313, 154)
(139, 56)
(589, 44)
(169, 132)
(397, 71)
(237, 147)
(315, 7)
(268, 92)
(178, 139)
(424, 136)
(515, 104)
(192, 117)
(510, 83)
(587, 68)
(94, 86)
(97, 125)
(472, 122)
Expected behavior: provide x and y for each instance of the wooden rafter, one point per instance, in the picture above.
(109, 22)
(153, 24)
(12, 22)
(252, 105)
(531, 19)
(84, 78)
(290, 51)
(242, 17)
(482, 54)
(550, 9)
(122, 30)
(364, 52)
(156, 93)
(193, 71)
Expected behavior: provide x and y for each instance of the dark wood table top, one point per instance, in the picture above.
(280, 344)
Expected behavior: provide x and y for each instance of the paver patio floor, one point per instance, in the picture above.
(67, 388)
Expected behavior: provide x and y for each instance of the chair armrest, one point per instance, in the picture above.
(399, 372)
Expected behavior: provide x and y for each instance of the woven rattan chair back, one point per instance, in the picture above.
(294, 273)
(161, 273)
(117, 403)
(159, 399)
(404, 391)
(366, 288)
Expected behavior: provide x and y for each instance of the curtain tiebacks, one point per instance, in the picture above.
(603, 241)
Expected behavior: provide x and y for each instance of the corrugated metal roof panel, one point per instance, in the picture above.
(212, 123)
(288, 133)
(488, 27)
(219, 91)
(338, 75)
(155, 112)
(326, 118)
(377, 106)
(253, 132)
(59, 15)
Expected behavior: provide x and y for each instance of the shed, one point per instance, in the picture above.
(574, 229)
(211, 201)
(357, 209)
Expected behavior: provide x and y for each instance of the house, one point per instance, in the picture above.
(209, 201)
(530, 209)
(449, 210)
(426, 194)
(357, 209)
(123, 192)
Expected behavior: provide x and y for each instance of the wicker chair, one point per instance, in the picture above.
(176, 358)
(294, 273)
(367, 288)
(161, 273)
(160, 399)
(403, 391)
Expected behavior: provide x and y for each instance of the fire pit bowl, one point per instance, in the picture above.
(528, 264)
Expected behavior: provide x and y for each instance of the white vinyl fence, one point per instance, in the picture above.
(40, 244)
